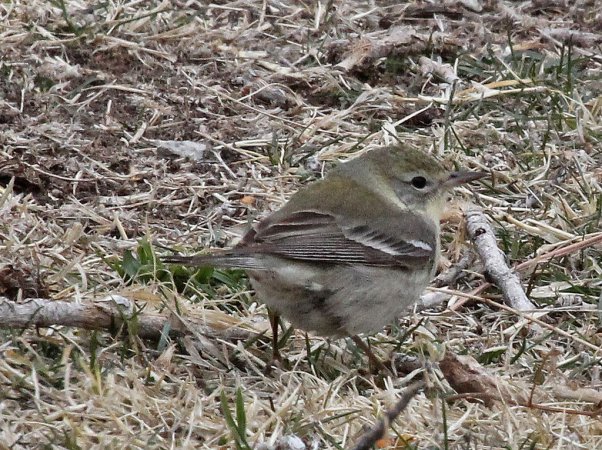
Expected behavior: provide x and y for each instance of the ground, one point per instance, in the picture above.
(132, 129)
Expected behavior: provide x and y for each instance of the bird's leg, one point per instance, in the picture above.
(274, 319)
(376, 364)
(277, 360)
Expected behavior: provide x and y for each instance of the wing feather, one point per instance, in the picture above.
(318, 237)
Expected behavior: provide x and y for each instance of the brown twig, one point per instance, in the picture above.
(523, 314)
(590, 241)
(488, 397)
(369, 439)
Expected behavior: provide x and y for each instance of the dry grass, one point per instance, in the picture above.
(271, 93)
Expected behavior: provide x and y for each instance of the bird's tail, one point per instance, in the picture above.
(224, 260)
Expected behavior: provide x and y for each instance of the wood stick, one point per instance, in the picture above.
(369, 439)
(508, 282)
(590, 240)
(110, 313)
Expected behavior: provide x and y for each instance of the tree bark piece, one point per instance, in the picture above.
(493, 258)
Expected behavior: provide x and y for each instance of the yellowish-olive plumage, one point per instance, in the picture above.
(353, 251)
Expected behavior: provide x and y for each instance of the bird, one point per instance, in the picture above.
(350, 253)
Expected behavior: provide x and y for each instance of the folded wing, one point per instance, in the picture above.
(318, 237)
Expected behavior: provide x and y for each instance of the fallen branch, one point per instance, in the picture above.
(579, 394)
(455, 272)
(448, 277)
(504, 278)
(110, 313)
(588, 241)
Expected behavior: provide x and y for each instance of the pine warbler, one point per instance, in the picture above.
(350, 253)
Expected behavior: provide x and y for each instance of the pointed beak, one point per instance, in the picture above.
(462, 177)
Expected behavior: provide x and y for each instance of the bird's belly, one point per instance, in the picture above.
(338, 300)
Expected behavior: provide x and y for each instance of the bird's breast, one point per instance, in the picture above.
(339, 300)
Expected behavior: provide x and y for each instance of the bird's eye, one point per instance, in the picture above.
(419, 182)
